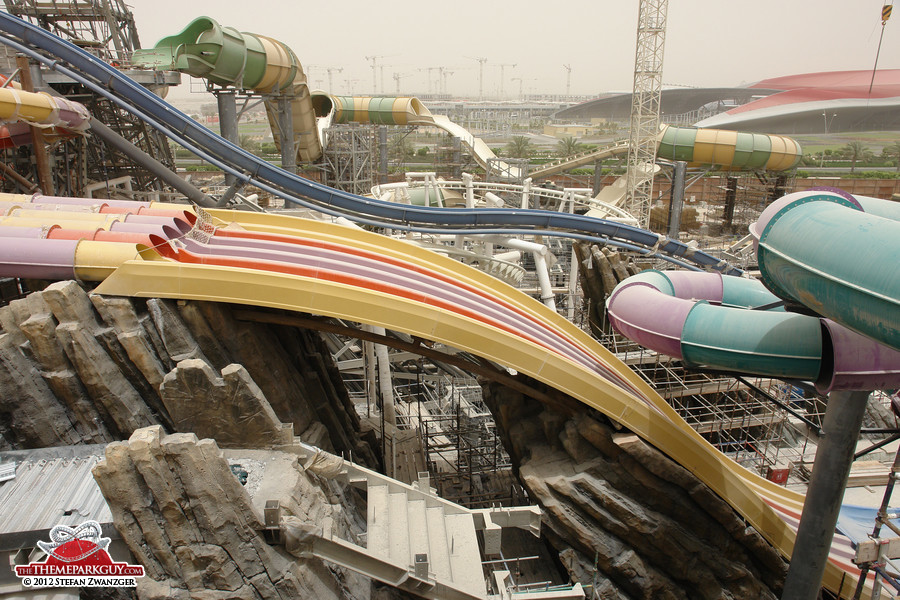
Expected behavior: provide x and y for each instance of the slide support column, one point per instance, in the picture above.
(228, 123)
(843, 419)
(676, 201)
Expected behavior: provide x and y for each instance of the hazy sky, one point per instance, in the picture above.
(708, 42)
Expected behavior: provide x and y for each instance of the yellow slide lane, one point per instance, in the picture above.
(641, 409)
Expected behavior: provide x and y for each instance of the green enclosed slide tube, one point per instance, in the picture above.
(731, 150)
(224, 56)
(247, 61)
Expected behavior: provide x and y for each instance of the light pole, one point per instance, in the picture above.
(827, 123)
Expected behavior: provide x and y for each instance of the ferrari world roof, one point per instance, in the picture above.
(816, 102)
(809, 103)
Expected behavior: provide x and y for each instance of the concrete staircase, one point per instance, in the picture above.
(415, 540)
(435, 539)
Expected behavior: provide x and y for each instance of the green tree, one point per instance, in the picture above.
(249, 143)
(892, 152)
(568, 146)
(519, 147)
(856, 151)
(400, 149)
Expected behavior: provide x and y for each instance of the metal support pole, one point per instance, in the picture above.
(286, 126)
(730, 198)
(382, 154)
(598, 179)
(41, 156)
(160, 170)
(843, 419)
(676, 199)
(228, 122)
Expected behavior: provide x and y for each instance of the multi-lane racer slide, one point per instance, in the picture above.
(330, 270)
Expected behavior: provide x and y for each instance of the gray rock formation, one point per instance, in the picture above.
(600, 269)
(656, 531)
(231, 408)
(196, 530)
(92, 369)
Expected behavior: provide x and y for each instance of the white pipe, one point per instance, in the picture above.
(468, 178)
(512, 256)
(526, 193)
(541, 264)
(385, 383)
(371, 397)
(573, 285)
(495, 200)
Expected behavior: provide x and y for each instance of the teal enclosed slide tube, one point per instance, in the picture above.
(707, 320)
(838, 255)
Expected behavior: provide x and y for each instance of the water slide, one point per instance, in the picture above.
(248, 61)
(836, 254)
(410, 111)
(309, 266)
(828, 251)
(716, 148)
(21, 110)
(109, 82)
(412, 290)
(707, 320)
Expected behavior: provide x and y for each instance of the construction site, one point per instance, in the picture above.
(318, 374)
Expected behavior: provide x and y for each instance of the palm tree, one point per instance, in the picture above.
(568, 146)
(856, 150)
(892, 151)
(249, 143)
(519, 147)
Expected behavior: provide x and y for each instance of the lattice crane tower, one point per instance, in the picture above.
(648, 65)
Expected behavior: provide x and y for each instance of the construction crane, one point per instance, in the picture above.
(374, 61)
(429, 79)
(444, 74)
(481, 60)
(397, 77)
(331, 71)
(568, 69)
(503, 76)
(645, 98)
(520, 80)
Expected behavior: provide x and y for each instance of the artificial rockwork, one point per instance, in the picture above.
(79, 368)
(625, 517)
(600, 269)
(190, 522)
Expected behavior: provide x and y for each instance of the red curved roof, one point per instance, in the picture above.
(831, 85)
(832, 80)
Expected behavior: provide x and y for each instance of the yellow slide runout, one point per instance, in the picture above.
(630, 402)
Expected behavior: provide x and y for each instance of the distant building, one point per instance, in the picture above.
(570, 129)
(809, 103)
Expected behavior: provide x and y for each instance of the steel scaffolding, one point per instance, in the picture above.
(466, 459)
(648, 65)
(351, 158)
(105, 28)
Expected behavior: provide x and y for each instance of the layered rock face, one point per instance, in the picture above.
(653, 530)
(197, 532)
(82, 368)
